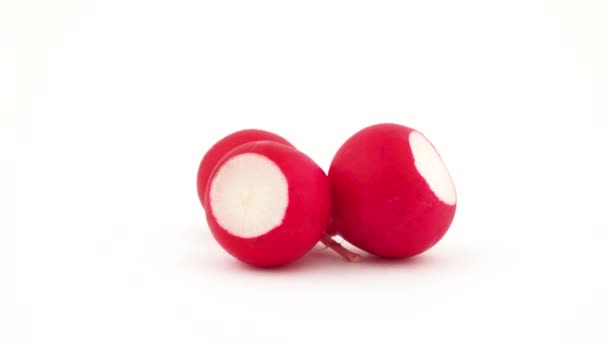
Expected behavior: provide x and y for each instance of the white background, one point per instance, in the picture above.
(106, 108)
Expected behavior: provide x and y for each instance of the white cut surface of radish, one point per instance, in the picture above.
(430, 166)
(249, 195)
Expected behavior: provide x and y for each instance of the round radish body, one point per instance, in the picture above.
(225, 145)
(392, 194)
(268, 204)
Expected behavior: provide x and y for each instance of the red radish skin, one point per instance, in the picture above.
(225, 145)
(303, 213)
(381, 201)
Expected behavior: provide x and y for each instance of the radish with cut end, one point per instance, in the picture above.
(268, 204)
(392, 194)
(225, 145)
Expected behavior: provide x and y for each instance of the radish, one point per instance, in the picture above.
(392, 194)
(267, 203)
(225, 145)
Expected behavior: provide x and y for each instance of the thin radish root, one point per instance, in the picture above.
(328, 241)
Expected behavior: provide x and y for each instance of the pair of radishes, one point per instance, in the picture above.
(387, 192)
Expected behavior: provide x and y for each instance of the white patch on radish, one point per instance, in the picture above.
(432, 169)
(249, 195)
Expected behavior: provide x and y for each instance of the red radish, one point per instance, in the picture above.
(392, 194)
(225, 145)
(268, 204)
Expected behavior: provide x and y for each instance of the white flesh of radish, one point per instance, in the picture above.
(249, 195)
(432, 169)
